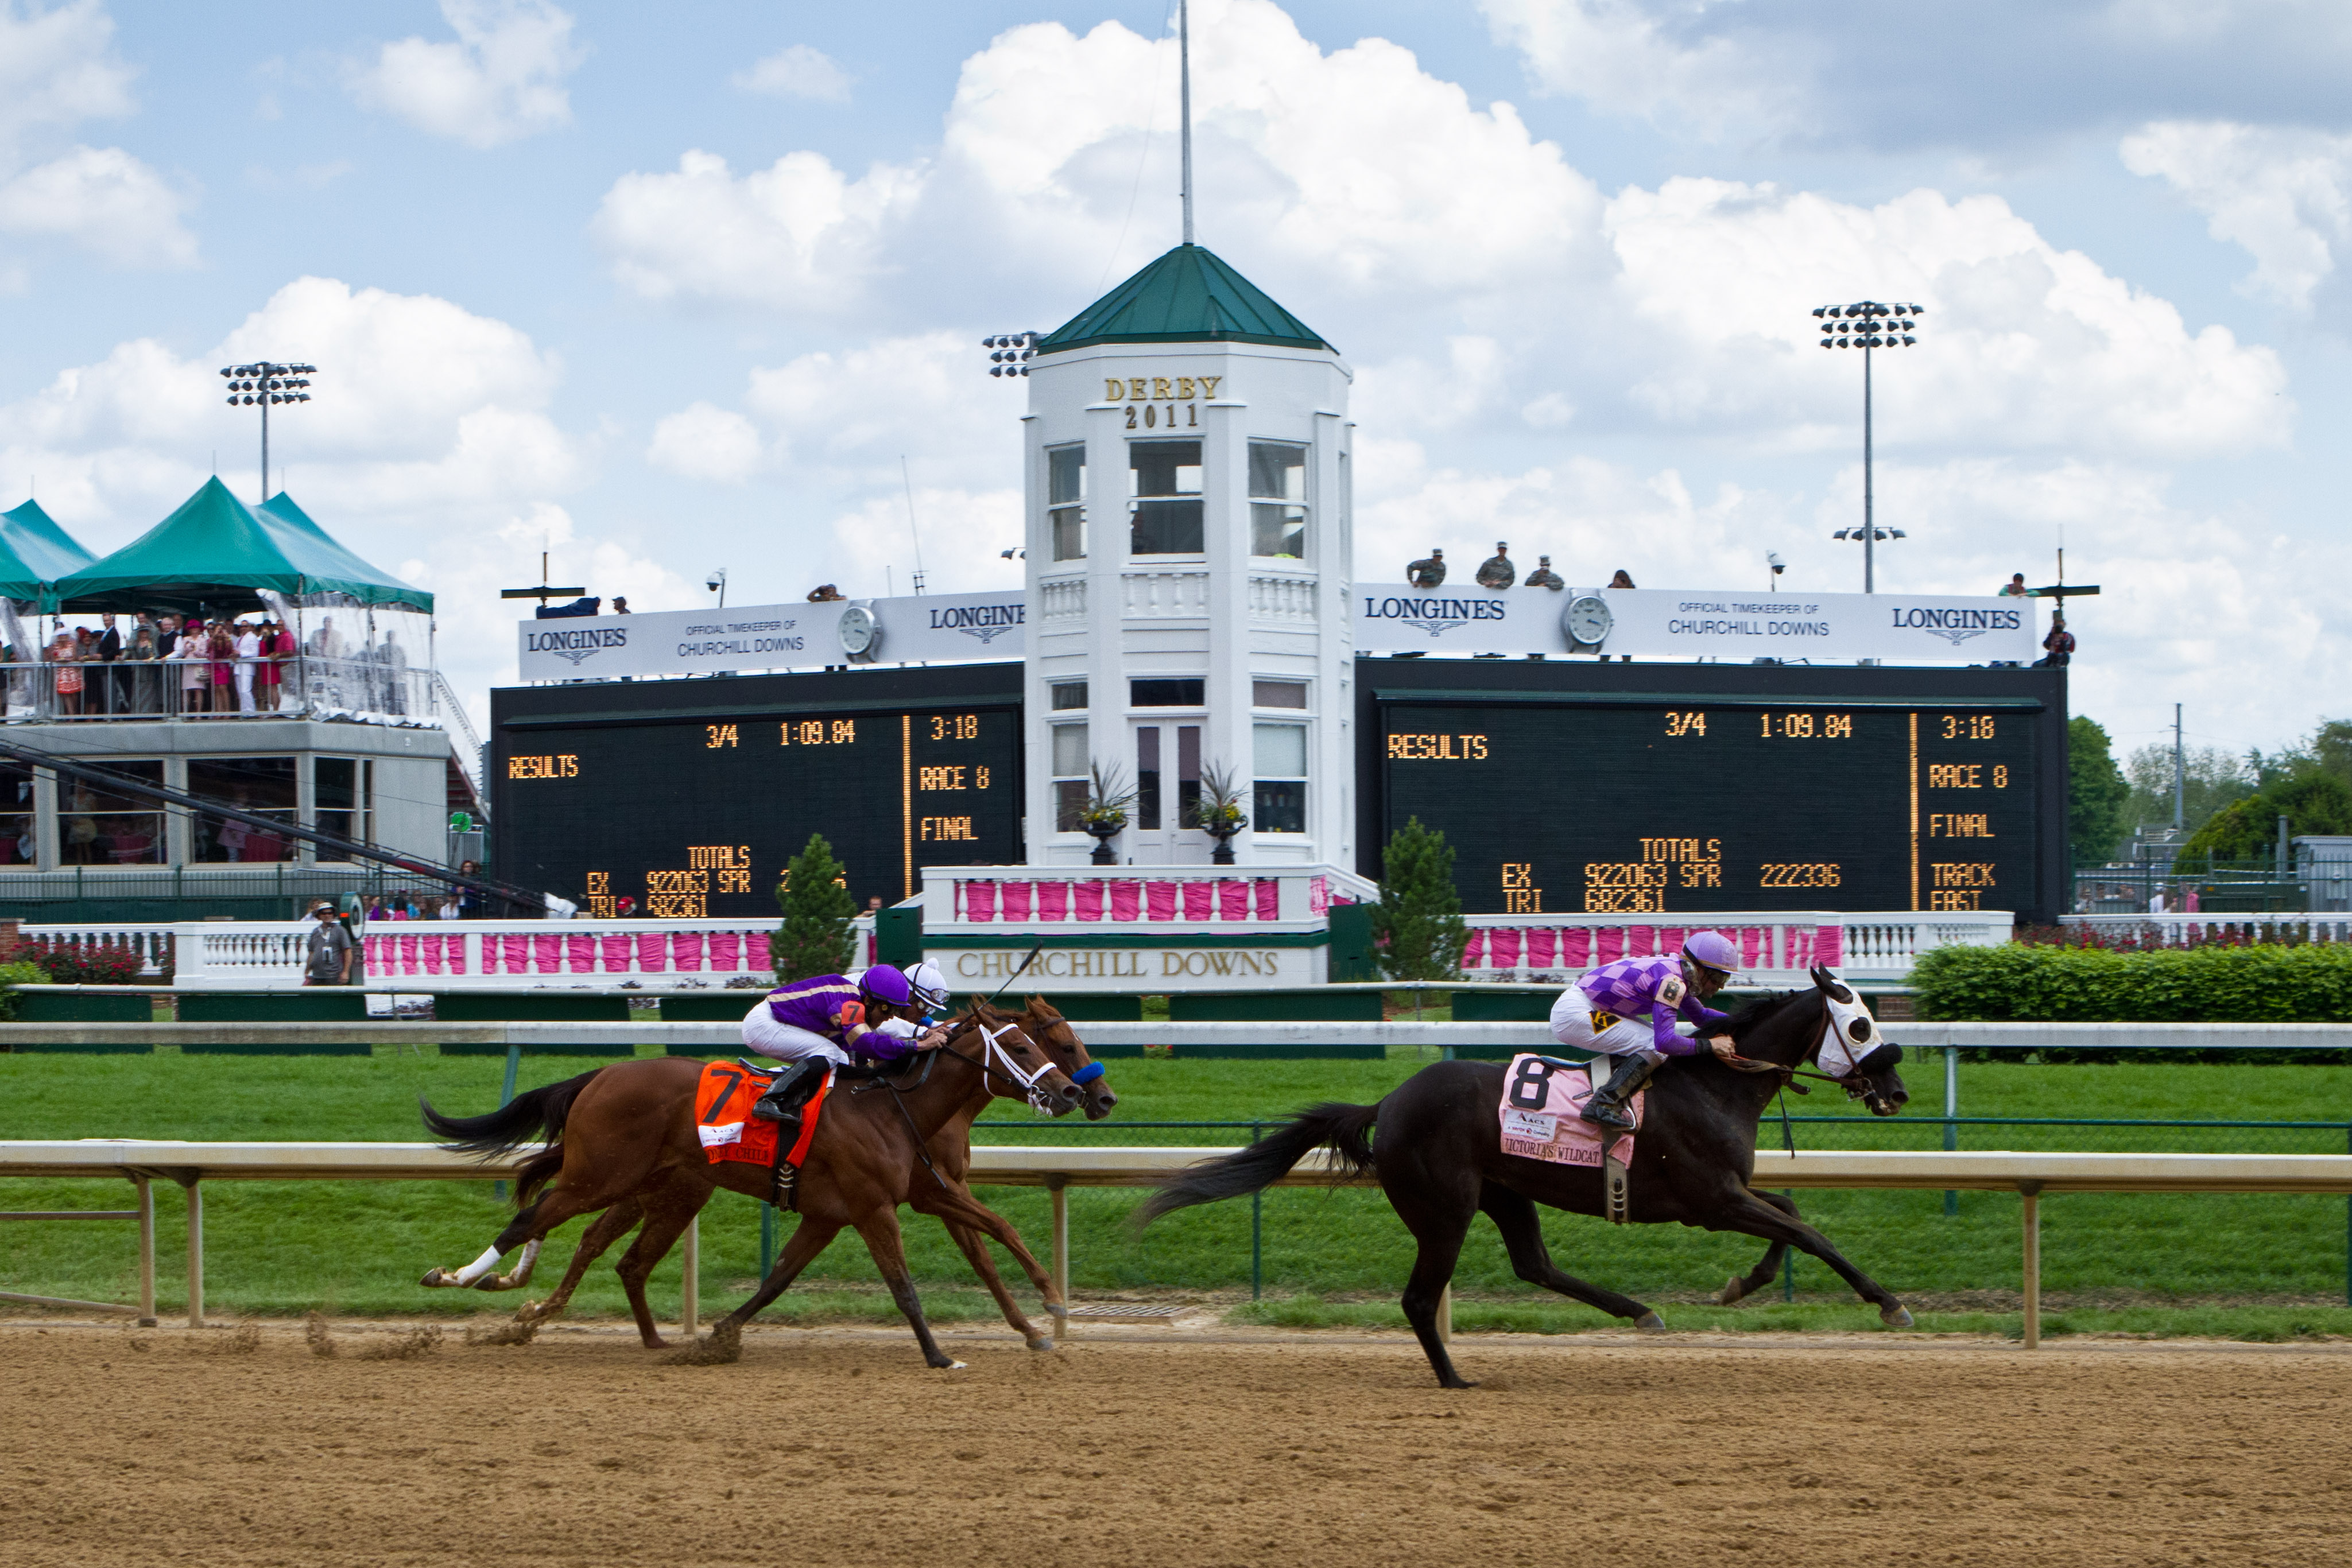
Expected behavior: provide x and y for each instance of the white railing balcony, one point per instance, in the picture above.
(1776, 949)
(300, 685)
(1136, 898)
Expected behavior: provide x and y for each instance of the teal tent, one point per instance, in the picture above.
(34, 550)
(216, 554)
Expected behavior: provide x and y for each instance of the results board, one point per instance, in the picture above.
(1705, 804)
(687, 819)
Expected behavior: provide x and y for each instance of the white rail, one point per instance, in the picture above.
(2031, 1176)
(2181, 930)
(1776, 947)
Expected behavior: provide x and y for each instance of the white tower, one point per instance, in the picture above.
(1189, 561)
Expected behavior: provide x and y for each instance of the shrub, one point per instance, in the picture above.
(68, 965)
(1417, 926)
(814, 939)
(2218, 983)
(22, 972)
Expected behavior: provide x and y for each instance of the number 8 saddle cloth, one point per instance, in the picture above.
(1542, 1097)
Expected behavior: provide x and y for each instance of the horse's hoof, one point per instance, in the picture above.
(1735, 1290)
(656, 1342)
(1896, 1317)
(436, 1278)
(490, 1282)
(1650, 1323)
(1457, 1383)
(1042, 1342)
(946, 1366)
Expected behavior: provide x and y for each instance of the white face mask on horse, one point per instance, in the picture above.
(1851, 1033)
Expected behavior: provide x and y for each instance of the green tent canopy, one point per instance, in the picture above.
(216, 553)
(34, 550)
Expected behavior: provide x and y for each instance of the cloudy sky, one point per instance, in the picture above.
(661, 288)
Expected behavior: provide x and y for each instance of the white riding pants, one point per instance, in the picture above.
(1573, 1021)
(763, 1036)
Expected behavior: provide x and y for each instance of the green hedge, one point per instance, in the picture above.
(2309, 984)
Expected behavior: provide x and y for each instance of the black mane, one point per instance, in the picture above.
(1756, 1014)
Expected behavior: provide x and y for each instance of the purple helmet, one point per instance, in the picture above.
(885, 983)
(1712, 948)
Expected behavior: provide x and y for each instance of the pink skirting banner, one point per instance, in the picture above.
(1200, 900)
(617, 947)
(1641, 941)
(1269, 899)
(1087, 898)
(580, 952)
(408, 945)
(1125, 900)
(433, 949)
(457, 951)
(1503, 947)
(1829, 945)
(1541, 945)
(1160, 900)
(1053, 901)
(649, 951)
(1576, 948)
(1233, 901)
(685, 951)
(1016, 896)
(1473, 950)
(727, 949)
(1752, 949)
(980, 901)
(1670, 938)
(1608, 945)
(383, 954)
(547, 952)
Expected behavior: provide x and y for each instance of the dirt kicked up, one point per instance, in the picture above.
(236, 1446)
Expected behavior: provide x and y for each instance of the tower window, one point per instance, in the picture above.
(1066, 501)
(1164, 477)
(1279, 798)
(1166, 692)
(1278, 475)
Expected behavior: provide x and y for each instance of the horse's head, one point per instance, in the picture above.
(1044, 1023)
(1015, 1066)
(1851, 1050)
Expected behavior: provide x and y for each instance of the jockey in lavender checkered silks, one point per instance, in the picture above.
(1627, 1010)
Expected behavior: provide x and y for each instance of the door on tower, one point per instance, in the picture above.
(1167, 791)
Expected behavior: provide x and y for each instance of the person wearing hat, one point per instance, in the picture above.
(816, 1023)
(1627, 1011)
(327, 954)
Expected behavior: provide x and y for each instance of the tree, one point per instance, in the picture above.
(2312, 801)
(2096, 793)
(2211, 780)
(814, 939)
(1417, 926)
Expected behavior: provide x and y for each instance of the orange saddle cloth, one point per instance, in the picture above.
(723, 1099)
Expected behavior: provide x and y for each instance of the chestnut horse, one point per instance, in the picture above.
(629, 1130)
(950, 1152)
(1436, 1146)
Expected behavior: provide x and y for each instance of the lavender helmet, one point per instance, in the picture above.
(885, 983)
(1711, 950)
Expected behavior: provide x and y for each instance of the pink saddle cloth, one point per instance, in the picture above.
(1542, 1097)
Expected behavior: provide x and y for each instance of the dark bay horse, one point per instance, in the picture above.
(680, 1192)
(1436, 1146)
(628, 1130)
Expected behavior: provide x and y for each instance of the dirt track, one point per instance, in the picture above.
(841, 1449)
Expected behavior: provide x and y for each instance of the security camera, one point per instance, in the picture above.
(1778, 565)
(716, 580)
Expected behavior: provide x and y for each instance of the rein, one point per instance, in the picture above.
(994, 1054)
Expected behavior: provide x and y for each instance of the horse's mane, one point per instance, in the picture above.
(1756, 1014)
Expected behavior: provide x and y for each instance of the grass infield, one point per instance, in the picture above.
(2242, 1266)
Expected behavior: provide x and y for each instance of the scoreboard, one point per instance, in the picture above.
(1746, 790)
(688, 799)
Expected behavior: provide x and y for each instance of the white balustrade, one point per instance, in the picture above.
(1776, 947)
(1106, 899)
(2186, 930)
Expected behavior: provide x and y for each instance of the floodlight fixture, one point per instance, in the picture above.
(1013, 351)
(1868, 324)
(265, 384)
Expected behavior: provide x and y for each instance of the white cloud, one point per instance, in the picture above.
(796, 235)
(1626, 57)
(58, 70)
(105, 199)
(706, 442)
(797, 71)
(501, 80)
(2284, 195)
(962, 533)
(855, 412)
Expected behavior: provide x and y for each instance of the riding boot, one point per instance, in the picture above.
(782, 1102)
(1628, 1072)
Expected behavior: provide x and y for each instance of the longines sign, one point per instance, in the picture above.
(1661, 623)
(946, 628)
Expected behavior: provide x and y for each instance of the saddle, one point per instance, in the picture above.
(723, 1099)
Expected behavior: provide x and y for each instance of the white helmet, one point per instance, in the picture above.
(929, 986)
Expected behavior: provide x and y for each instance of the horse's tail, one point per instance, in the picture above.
(1332, 1126)
(538, 1114)
(535, 1173)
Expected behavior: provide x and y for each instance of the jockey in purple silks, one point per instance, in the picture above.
(818, 1022)
(1627, 1011)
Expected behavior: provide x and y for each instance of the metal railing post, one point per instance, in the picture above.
(1058, 1189)
(146, 1250)
(2031, 1192)
(1257, 1233)
(195, 1252)
(1951, 1109)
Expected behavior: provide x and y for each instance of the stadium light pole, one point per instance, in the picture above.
(1011, 352)
(1868, 325)
(263, 386)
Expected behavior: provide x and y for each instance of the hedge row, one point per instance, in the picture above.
(2311, 984)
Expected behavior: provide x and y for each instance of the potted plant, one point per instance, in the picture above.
(1105, 813)
(1218, 813)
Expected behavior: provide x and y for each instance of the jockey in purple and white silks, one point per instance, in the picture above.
(1627, 1010)
(821, 1020)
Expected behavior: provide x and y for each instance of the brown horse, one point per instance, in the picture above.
(950, 1152)
(629, 1130)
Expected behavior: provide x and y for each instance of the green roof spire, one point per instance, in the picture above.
(1188, 295)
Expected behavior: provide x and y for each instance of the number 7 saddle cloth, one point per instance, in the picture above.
(1542, 1097)
(723, 1098)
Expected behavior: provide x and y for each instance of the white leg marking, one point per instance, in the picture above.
(522, 1270)
(480, 1266)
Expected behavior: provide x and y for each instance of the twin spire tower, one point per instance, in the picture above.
(1186, 467)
